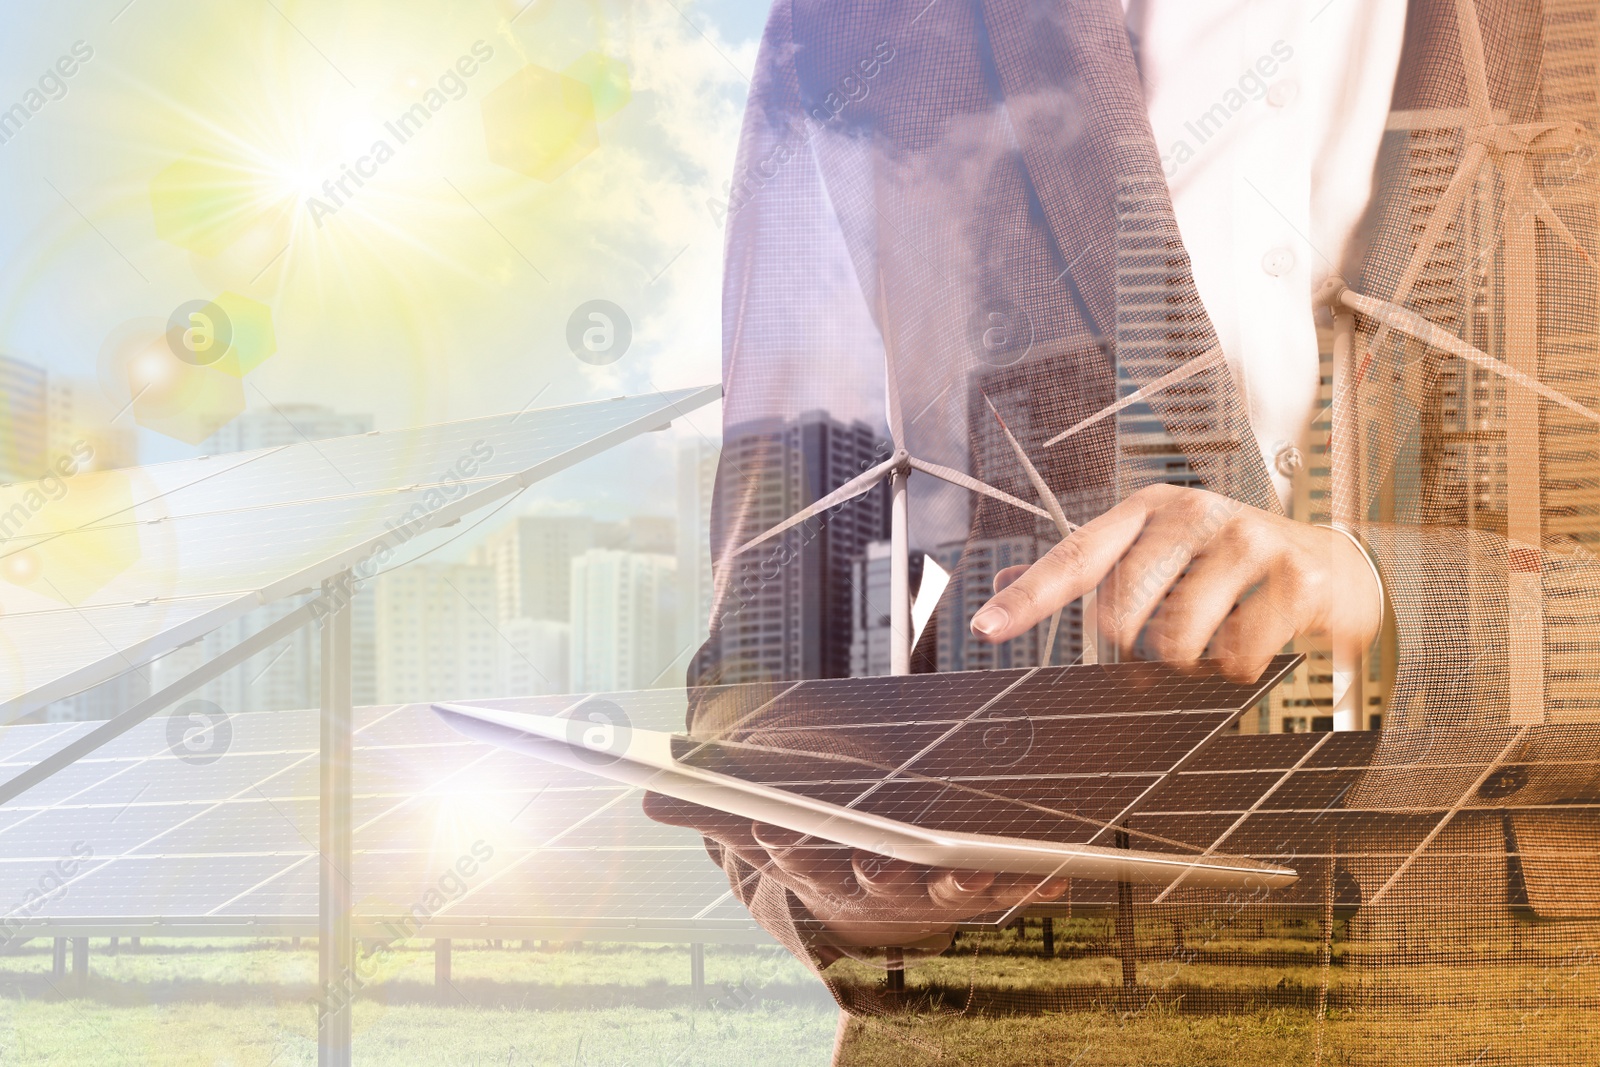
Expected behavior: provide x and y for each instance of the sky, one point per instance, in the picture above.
(192, 160)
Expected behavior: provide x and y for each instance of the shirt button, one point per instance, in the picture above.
(1283, 93)
(1288, 461)
(1278, 262)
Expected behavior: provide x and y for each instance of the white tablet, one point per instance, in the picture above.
(654, 761)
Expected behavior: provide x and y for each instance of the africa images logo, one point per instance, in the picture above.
(599, 332)
(599, 732)
(199, 732)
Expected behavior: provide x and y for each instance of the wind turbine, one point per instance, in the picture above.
(1502, 146)
(897, 470)
(1091, 632)
(1491, 145)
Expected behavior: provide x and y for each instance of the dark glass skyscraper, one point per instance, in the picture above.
(787, 609)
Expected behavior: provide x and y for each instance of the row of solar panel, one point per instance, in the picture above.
(228, 826)
(147, 828)
(128, 556)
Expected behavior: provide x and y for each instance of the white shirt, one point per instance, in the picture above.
(1268, 116)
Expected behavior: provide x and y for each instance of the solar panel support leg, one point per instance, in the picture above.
(80, 964)
(1047, 932)
(441, 965)
(697, 972)
(895, 976)
(58, 958)
(1127, 947)
(335, 946)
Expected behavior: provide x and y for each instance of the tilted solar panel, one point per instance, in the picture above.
(126, 565)
(162, 837)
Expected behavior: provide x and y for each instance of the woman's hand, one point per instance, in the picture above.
(864, 900)
(1200, 575)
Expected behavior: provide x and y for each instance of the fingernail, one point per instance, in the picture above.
(991, 620)
(973, 881)
(774, 837)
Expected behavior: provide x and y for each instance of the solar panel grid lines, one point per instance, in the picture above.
(1445, 820)
(181, 474)
(764, 701)
(188, 529)
(872, 788)
(1054, 806)
(421, 456)
(53, 732)
(404, 802)
(572, 853)
(1217, 843)
(713, 721)
(141, 631)
(935, 742)
(173, 828)
(133, 749)
(312, 853)
(1087, 695)
(278, 885)
(613, 796)
(505, 871)
(1275, 671)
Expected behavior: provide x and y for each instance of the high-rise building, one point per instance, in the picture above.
(870, 632)
(1027, 393)
(655, 534)
(532, 562)
(24, 420)
(79, 416)
(786, 612)
(624, 620)
(1148, 337)
(283, 677)
(973, 566)
(1571, 500)
(437, 638)
(537, 657)
(697, 479)
(1304, 700)
(284, 424)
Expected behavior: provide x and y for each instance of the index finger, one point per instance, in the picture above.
(1069, 570)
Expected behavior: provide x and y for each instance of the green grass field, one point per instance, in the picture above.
(250, 1005)
(1248, 1002)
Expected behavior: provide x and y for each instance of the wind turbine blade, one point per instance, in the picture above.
(1472, 59)
(1172, 377)
(849, 490)
(1046, 497)
(1548, 216)
(935, 580)
(966, 481)
(1415, 325)
(1050, 639)
(897, 429)
(1449, 203)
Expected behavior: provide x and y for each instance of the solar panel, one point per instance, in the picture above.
(234, 841)
(1063, 755)
(130, 564)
